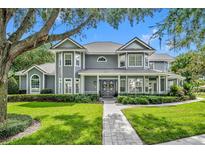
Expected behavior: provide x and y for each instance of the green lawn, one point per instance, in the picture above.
(162, 124)
(62, 123)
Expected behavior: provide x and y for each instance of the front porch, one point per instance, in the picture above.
(109, 86)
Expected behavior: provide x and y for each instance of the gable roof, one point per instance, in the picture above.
(137, 40)
(47, 68)
(102, 47)
(67, 40)
(161, 57)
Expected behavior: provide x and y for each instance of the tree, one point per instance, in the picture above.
(36, 56)
(191, 65)
(185, 28)
(35, 27)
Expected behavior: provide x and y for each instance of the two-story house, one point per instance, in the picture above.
(105, 68)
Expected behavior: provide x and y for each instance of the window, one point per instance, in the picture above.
(60, 86)
(77, 86)
(77, 60)
(162, 80)
(35, 82)
(68, 59)
(135, 85)
(146, 60)
(135, 60)
(151, 65)
(67, 85)
(60, 60)
(101, 59)
(122, 85)
(122, 60)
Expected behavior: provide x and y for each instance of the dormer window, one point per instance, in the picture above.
(101, 59)
(135, 60)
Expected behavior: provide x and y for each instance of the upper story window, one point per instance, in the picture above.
(77, 60)
(101, 59)
(135, 60)
(146, 60)
(122, 60)
(68, 59)
(151, 65)
(60, 60)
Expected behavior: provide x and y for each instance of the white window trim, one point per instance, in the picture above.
(60, 89)
(71, 85)
(120, 61)
(71, 58)
(146, 56)
(135, 60)
(101, 61)
(78, 54)
(60, 60)
(79, 85)
(135, 87)
(39, 89)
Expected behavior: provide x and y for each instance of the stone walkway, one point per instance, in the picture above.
(116, 129)
(194, 140)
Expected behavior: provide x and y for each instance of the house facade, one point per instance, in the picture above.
(104, 68)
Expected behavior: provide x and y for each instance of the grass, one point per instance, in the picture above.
(163, 124)
(61, 123)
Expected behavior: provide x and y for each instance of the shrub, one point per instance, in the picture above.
(176, 91)
(12, 86)
(14, 124)
(78, 98)
(120, 98)
(141, 100)
(47, 91)
(22, 91)
(188, 87)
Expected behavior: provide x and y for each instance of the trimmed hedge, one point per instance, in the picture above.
(47, 91)
(77, 98)
(142, 99)
(15, 124)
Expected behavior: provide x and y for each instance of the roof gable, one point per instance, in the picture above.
(68, 44)
(135, 44)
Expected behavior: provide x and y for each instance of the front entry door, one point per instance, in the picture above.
(153, 87)
(107, 88)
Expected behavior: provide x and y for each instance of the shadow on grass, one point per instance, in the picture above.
(45, 104)
(154, 129)
(74, 130)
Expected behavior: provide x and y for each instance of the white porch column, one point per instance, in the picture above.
(82, 78)
(126, 85)
(126, 60)
(166, 84)
(98, 84)
(118, 84)
(143, 84)
(19, 82)
(159, 84)
(43, 81)
(177, 82)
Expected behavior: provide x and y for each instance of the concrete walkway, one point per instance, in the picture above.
(116, 129)
(194, 140)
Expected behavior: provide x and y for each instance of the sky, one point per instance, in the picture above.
(124, 33)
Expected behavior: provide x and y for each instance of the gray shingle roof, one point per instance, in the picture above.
(160, 57)
(102, 47)
(48, 68)
(120, 71)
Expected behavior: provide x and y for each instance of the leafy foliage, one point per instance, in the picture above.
(185, 27)
(36, 56)
(13, 87)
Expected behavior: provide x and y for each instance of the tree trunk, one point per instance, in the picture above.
(3, 101)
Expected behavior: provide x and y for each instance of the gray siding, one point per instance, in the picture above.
(23, 83)
(90, 84)
(50, 82)
(91, 61)
(32, 72)
(160, 65)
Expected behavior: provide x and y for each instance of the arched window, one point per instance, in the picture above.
(101, 59)
(35, 83)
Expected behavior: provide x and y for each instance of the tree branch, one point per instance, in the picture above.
(36, 39)
(25, 24)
